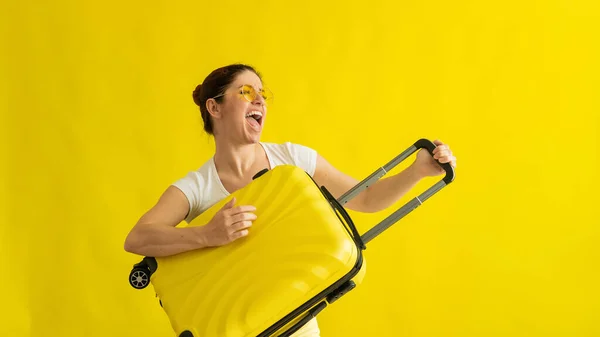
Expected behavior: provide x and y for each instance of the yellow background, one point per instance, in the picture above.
(98, 119)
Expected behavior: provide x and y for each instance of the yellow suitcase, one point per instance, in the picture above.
(303, 253)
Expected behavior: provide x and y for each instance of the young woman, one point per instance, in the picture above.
(233, 104)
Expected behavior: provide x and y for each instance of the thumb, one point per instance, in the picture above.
(229, 204)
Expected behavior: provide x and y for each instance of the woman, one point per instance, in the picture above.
(233, 107)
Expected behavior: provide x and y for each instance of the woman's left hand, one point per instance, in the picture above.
(426, 165)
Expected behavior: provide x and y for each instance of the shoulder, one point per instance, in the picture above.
(195, 177)
(194, 185)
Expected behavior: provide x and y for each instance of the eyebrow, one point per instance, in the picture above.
(259, 89)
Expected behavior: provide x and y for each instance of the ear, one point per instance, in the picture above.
(213, 108)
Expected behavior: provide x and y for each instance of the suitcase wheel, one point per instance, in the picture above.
(139, 278)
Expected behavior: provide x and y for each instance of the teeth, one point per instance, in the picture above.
(252, 113)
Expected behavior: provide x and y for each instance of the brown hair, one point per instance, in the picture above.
(215, 84)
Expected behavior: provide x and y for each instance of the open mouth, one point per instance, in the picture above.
(254, 118)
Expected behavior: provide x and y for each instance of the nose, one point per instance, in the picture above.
(259, 100)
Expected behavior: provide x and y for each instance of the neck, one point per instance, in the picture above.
(235, 159)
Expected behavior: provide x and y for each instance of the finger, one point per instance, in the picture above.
(442, 153)
(241, 209)
(240, 225)
(439, 148)
(445, 159)
(438, 142)
(239, 234)
(243, 217)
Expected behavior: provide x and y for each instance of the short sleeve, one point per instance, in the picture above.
(303, 157)
(191, 185)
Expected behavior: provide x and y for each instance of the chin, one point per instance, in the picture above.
(252, 134)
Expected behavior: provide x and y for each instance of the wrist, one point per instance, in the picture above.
(414, 173)
(199, 236)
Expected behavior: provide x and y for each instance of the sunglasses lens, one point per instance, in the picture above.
(250, 94)
(266, 94)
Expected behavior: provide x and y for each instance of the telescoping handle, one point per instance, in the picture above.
(409, 206)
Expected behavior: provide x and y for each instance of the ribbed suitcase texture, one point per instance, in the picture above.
(298, 252)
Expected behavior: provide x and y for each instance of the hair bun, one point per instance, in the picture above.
(196, 95)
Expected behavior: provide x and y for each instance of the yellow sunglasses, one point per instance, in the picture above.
(249, 93)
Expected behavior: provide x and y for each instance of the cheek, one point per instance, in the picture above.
(235, 111)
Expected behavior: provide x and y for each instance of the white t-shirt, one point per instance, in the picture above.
(203, 189)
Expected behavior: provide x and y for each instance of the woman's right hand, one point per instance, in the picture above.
(228, 224)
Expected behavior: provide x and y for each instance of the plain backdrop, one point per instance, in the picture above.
(98, 120)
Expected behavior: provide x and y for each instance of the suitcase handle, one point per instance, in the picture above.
(412, 204)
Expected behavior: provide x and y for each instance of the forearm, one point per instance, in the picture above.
(160, 240)
(387, 191)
